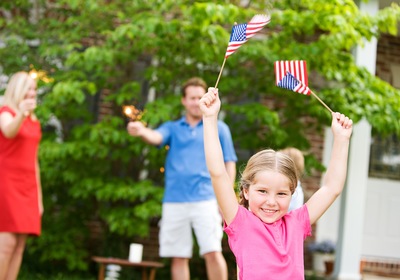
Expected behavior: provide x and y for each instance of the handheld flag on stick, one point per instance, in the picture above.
(292, 75)
(241, 33)
(298, 68)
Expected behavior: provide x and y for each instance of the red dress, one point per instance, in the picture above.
(19, 209)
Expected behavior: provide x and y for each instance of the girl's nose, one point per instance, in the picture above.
(270, 200)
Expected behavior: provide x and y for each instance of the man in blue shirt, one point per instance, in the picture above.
(189, 202)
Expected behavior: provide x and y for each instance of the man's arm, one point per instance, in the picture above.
(148, 135)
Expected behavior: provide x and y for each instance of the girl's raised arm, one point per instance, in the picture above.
(335, 175)
(226, 197)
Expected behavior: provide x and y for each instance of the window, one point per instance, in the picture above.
(385, 157)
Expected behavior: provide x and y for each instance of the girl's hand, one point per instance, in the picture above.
(210, 103)
(341, 125)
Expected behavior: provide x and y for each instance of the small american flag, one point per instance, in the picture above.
(241, 33)
(290, 82)
(292, 75)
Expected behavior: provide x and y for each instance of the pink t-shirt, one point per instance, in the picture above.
(269, 251)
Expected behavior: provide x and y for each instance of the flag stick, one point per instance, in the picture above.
(220, 72)
(322, 102)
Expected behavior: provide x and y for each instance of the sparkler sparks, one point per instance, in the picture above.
(132, 112)
(39, 75)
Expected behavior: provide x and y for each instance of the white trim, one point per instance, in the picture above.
(351, 223)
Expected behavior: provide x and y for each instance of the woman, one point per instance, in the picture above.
(21, 204)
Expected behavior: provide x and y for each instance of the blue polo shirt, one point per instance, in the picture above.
(186, 175)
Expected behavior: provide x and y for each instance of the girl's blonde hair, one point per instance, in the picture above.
(267, 160)
(17, 87)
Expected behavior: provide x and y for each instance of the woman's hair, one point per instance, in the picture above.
(195, 81)
(16, 89)
(267, 160)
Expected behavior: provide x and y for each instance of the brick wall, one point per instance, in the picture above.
(311, 184)
(382, 267)
(388, 53)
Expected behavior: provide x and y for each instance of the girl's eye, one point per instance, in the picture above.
(262, 191)
(282, 194)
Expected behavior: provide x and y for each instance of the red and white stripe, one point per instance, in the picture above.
(256, 24)
(232, 48)
(302, 88)
(297, 68)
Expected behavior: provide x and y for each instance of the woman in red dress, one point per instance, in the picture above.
(21, 204)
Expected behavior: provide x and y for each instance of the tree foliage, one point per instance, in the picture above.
(100, 55)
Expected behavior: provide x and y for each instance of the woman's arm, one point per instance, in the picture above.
(40, 193)
(10, 125)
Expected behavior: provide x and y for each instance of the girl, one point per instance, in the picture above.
(266, 240)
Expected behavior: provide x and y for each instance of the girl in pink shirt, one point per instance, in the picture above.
(266, 240)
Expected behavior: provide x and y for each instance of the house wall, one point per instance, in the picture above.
(380, 237)
(381, 240)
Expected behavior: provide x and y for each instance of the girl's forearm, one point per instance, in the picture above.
(212, 147)
(335, 176)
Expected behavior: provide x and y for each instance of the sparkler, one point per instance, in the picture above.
(39, 75)
(132, 113)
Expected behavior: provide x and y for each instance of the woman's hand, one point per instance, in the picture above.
(27, 106)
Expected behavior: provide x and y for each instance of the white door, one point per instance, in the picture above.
(382, 219)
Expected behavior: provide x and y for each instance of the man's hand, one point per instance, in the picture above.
(135, 128)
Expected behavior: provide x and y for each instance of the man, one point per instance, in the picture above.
(189, 201)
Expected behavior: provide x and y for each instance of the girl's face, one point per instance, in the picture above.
(269, 196)
(31, 94)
